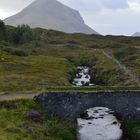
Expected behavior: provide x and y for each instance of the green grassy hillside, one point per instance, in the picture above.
(36, 60)
(33, 60)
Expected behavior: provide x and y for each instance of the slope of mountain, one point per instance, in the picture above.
(51, 14)
(137, 34)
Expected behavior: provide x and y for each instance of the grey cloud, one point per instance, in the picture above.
(14, 5)
(117, 4)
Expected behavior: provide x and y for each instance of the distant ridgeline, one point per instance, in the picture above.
(137, 34)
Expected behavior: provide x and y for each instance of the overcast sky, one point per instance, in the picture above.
(105, 16)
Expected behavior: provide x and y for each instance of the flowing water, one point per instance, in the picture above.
(99, 124)
(82, 77)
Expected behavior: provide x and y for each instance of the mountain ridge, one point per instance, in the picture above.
(51, 14)
(136, 34)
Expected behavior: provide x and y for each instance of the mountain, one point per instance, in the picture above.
(137, 34)
(51, 14)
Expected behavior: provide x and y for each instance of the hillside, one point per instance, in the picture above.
(39, 58)
(51, 14)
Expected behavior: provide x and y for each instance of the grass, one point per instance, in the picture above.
(94, 88)
(33, 72)
(50, 65)
(52, 61)
(129, 56)
(16, 126)
(133, 129)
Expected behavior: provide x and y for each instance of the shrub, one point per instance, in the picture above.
(122, 53)
(85, 61)
(21, 34)
(3, 44)
(16, 51)
(2, 30)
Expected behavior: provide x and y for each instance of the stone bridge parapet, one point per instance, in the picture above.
(69, 106)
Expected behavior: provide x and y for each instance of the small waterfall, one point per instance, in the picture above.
(82, 78)
(99, 123)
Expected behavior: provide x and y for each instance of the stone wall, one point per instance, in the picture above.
(68, 106)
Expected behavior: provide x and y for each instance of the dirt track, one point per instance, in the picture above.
(16, 96)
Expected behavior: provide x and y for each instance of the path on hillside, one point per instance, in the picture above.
(123, 67)
(16, 96)
(8, 97)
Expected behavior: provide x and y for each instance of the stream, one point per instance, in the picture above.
(97, 123)
(83, 77)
